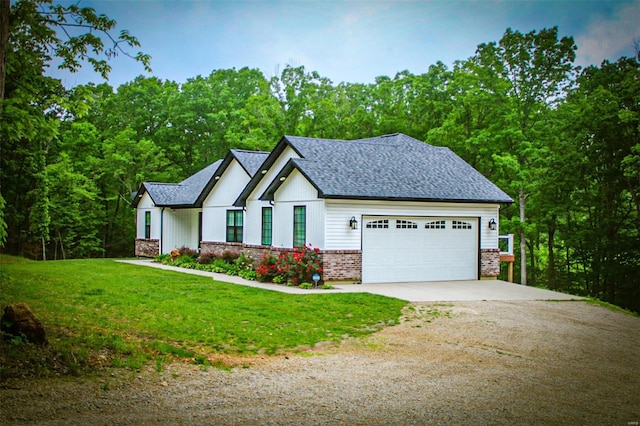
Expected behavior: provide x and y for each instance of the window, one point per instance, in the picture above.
(147, 225)
(234, 226)
(299, 226)
(406, 224)
(378, 224)
(436, 224)
(456, 224)
(267, 225)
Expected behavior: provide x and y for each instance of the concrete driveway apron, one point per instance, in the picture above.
(455, 291)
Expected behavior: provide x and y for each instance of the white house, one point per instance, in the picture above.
(187, 213)
(382, 209)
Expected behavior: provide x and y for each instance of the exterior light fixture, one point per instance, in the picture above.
(217, 177)
(493, 225)
(282, 179)
(263, 172)
(353, 223)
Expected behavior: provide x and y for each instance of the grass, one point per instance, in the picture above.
(99, 313)
(612, 307)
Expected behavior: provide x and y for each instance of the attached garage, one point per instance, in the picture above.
(385, 209)
(405, 249)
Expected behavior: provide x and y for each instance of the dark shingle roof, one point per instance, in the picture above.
(387, 167)
(183, 194)
(192, 191)
(250, 160)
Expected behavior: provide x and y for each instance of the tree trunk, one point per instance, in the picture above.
(64, 256)
(551, 263)
(5, 9)
(522, 198)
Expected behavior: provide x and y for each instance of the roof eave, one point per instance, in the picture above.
(424, 200)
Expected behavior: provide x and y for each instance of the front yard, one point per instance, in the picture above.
(99, 313)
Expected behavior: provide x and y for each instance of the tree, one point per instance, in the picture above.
(538, 67)
(603, 119)
(72, 34)
(31, 35)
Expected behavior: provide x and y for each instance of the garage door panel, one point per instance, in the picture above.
(419, 249)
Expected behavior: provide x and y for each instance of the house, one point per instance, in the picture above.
(175, 215)
(382, 209)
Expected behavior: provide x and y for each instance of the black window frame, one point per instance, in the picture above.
(147, 224)
(266, 236)
(299, 226)
(234, 226)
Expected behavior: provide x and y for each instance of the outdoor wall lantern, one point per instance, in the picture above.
(353, 223)
(493, 225)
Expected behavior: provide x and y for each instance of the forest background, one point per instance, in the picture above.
(563, 141)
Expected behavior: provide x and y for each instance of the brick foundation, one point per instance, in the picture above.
(218, 248)
(147, 247)
(338, 265)
(342, 265)
(489, 263)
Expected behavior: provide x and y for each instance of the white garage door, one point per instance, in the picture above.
(404, 249)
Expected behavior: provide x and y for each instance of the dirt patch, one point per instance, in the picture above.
(472, 362)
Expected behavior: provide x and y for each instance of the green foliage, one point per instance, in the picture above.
(154, 316)
(40, 204)
(162, 258)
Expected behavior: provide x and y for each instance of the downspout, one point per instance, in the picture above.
(161, 229)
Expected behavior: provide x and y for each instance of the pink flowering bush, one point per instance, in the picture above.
(292, 265)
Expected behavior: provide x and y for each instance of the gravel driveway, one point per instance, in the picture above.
(526, 362)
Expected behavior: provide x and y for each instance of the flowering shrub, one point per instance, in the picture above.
(267, 268)
(296, 266)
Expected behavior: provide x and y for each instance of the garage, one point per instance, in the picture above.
(406, 249)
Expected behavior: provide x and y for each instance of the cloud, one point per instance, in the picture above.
(610, 37)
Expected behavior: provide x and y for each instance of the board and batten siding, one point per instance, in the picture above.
(220, 199)
(297, 191)
(339, 236)
(180, 229)
(146, 205)
(253, 211)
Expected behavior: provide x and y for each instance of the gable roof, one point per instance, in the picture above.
(250, 161)
(389, 167)
(192, 191)
(183, 194)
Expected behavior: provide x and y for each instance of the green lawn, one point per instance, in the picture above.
(100, 313)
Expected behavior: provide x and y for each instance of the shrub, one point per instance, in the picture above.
(266, 269)
(296, 266)
(207, 258)
(162, 258)
(185, 261)
(248, 274)
(230, 256)
(244, 261)
(306, 286)
(299, 265)
(184, 250)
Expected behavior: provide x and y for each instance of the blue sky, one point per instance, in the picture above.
(350, 41)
